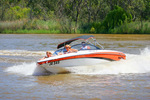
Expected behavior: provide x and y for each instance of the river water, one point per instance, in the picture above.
(21, 79)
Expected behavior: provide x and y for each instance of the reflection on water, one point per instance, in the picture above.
(20, 78)
(98, 86)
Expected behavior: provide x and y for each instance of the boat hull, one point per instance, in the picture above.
(59, 64)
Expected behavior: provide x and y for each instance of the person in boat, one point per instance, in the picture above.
(84, 46)
(48, 54)
(69, 49)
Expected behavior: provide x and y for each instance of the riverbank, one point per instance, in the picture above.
(56, 27)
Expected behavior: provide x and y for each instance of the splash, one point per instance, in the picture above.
(27, 69)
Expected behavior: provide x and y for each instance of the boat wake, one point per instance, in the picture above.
(133, 64)
(21, 53)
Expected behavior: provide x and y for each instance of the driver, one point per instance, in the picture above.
(84, 46)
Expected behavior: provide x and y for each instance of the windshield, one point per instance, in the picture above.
(78, 47)
(91, 47)
(60, 51)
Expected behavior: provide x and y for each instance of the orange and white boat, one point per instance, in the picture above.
(96, 54)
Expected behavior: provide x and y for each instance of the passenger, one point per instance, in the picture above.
(84, 47)
(48, 54)
(69, 49)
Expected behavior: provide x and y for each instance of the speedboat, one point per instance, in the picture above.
(83, 57)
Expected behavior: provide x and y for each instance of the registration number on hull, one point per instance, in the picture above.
(54, 63)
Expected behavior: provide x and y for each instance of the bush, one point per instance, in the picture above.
(92, 30)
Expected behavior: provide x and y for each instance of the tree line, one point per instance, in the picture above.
(86, 15)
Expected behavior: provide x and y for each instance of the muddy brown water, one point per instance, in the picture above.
(21, 79)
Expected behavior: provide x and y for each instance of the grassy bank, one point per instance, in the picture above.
(28, 26)
(55, 27)
(132, 28)
(31, 31)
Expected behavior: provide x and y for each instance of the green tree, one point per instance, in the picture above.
(4, 5)
(18, 13)
(116, 17)
(147, 10)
